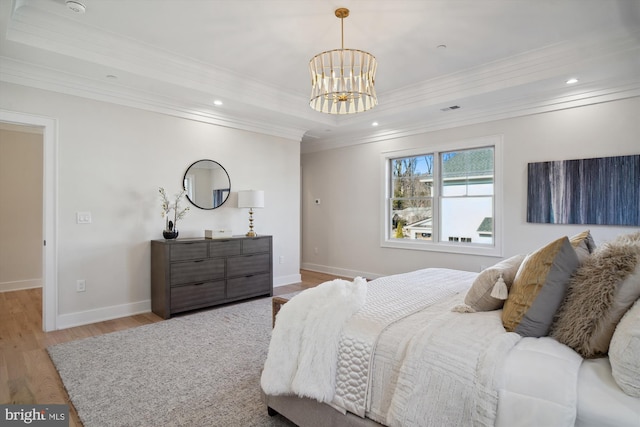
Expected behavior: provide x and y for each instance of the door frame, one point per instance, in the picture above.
(49, 211)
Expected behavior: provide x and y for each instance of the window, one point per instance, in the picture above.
(444, 199)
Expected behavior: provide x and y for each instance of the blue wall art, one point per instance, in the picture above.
(604, 191)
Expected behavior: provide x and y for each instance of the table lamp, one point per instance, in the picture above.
(251, 199)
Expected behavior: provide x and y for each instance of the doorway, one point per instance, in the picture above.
(49, 211)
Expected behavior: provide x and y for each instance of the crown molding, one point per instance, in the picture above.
(51, 32)
(25, 74)
(503, 109)
(549, 62)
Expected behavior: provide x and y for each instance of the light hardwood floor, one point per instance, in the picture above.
(27, 375)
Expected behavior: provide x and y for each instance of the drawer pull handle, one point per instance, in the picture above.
(250, 275)
(198, 284)
(198, 260)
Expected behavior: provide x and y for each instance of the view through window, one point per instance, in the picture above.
(443, 197)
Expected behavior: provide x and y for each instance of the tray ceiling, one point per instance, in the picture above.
(503, 58)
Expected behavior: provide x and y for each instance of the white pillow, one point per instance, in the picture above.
(624, 352)
(479, 297)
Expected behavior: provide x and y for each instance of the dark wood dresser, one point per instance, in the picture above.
(188, 274)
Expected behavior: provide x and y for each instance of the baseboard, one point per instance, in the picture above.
(287, 280)
(80, 318)
(343, 272)
(19, 285)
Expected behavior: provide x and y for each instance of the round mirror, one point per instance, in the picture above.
(207, 184)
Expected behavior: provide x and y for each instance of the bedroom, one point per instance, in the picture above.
(112, 155)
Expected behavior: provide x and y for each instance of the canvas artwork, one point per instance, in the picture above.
(603, 191)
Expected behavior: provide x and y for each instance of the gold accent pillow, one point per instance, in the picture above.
(539, 288)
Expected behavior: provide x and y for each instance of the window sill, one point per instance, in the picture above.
(469, 249)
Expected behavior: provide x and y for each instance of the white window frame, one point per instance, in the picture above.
(435, 245)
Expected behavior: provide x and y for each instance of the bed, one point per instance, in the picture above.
(432, 347)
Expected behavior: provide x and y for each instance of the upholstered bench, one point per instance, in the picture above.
(276, 304)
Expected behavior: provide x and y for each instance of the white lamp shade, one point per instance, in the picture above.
(251, 199)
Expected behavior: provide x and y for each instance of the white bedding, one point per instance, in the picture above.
(539, 384)
(601, 403)
(432, 366)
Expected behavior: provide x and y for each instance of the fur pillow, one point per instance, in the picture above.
(539, 288)
(624, 352)
(599, 294)
(479, 297)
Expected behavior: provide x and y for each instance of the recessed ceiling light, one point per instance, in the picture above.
(217, 102)
(571, 81)
(76, 6)
(442, 46)
(111, 76)
(374, 124)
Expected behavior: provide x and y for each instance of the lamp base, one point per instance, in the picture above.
(251, 233)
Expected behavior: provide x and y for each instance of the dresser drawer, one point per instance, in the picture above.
(249, 285)
(197, 271)
(220, 248)
(252, 246)
(184, 251)
(197, 295)
(194, 273)
(245, 265)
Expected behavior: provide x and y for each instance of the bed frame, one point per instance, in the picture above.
(306, 412)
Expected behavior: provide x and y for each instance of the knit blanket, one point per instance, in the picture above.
(389, 300)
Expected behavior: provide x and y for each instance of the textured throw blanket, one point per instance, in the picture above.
(464, 369)
(304, 342)
(389, 300)
(449, 374)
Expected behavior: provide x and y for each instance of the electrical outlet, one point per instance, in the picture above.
(281, 259)
(81, 285)
(83, 217)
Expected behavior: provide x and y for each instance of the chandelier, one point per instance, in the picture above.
(342, 80)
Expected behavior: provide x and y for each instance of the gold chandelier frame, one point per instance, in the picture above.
(343, 80)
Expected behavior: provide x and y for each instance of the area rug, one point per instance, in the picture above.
(201, 369)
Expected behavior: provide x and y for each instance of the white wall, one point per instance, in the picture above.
(111, 161)
(345, 227)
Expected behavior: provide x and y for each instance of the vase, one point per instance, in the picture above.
(170, 234)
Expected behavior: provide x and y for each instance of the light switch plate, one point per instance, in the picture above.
(83, 217)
